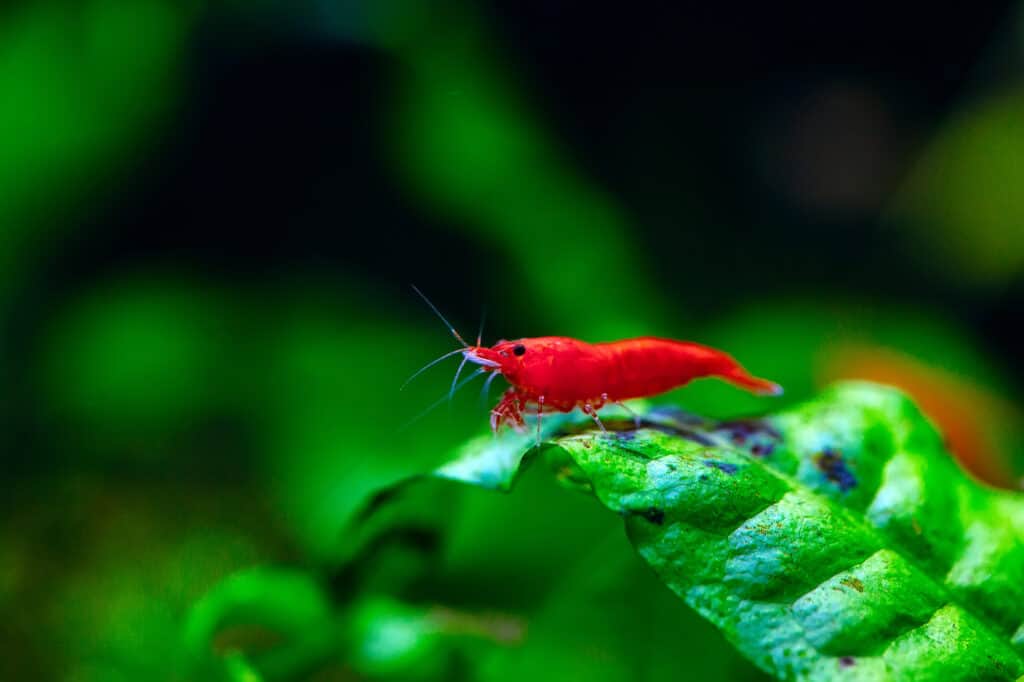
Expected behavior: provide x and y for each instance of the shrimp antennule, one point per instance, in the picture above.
(458, 337)
(455, 381)
(485, 392)
(465, 358)
(430, 364)
(480, 332)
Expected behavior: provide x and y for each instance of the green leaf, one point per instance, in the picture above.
(286, 601)
(836, 540)
(299, 631)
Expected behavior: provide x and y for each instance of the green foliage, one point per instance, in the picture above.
(966, 218)
(286, 601)
(834, 540)
(853, 547)
(75, 112)
(461, 128)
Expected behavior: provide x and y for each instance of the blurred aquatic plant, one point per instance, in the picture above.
(835, 538)
(84, 85)
(466, 142)
(962, 199)
(299, 632)
(137, 363)
(322, 369)
(461, 134)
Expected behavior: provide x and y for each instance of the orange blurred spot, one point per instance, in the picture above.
(966, 413)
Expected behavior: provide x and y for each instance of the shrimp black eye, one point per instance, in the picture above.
(519, 349)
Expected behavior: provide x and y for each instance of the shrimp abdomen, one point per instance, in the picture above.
(648, 366)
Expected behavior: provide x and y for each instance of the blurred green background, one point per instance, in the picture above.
(210, 215)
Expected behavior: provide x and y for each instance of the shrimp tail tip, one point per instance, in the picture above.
(775, 389)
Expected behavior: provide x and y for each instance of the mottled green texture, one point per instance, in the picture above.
(836, 540)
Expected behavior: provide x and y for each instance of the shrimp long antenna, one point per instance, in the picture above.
(439, 402)
(430, 364)
(437, 312)
(483, 318)
(479, 337)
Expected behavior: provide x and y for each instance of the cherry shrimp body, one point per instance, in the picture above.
(558, 373)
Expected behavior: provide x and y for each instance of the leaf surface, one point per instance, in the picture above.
(835, 540)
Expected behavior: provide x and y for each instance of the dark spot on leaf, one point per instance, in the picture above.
(625, 435)
(677, 431)
(847, 662)
(696, 437)
(721, 466)
(830, 462)
(654, 515)
(744, 428)
(853, 583)
(759, 437)
(677, 415)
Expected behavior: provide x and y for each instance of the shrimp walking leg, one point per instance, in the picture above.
(540, 414)
(589, 410)
(509, 410)
(634, 415)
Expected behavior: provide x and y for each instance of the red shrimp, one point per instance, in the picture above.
(560, 374)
